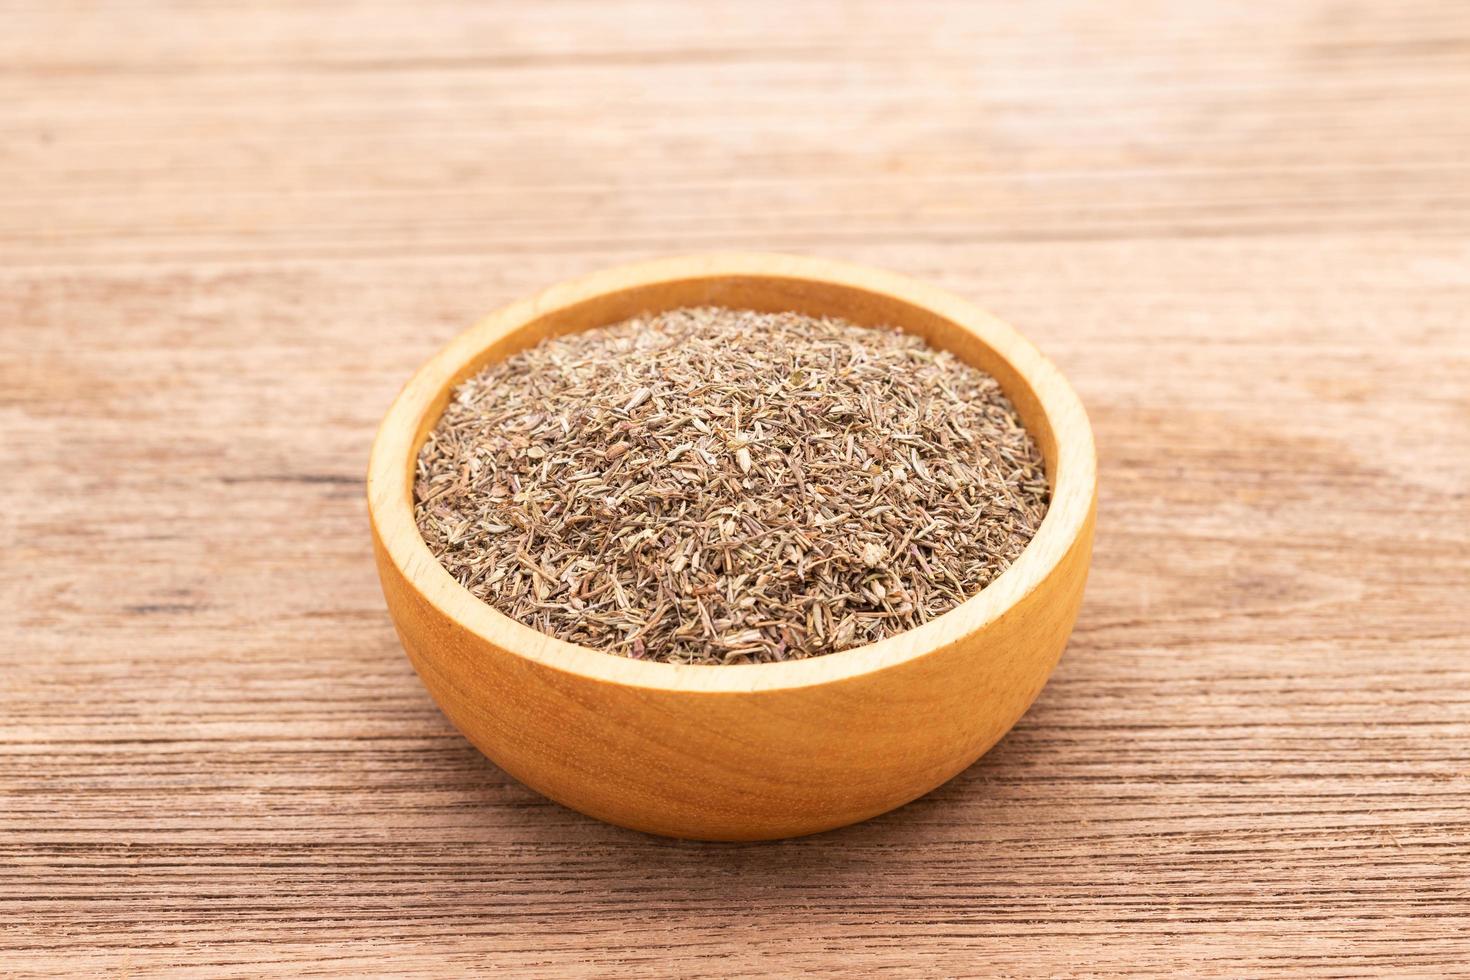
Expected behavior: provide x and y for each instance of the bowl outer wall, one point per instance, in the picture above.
(749, 751)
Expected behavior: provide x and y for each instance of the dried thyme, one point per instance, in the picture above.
(719, 486)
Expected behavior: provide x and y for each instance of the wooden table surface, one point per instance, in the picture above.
(230, 230)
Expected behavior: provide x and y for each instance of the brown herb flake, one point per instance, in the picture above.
(722, 486)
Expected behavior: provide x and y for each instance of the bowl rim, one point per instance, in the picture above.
(390, 487)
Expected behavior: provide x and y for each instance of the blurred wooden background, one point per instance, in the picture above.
(230, 230)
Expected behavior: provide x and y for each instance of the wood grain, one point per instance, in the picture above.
(228, 230)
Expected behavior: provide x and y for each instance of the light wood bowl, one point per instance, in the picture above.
(759, 750)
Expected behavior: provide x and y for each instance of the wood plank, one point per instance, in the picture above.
(229, 231)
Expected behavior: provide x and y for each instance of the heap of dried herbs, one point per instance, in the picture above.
(721, 486)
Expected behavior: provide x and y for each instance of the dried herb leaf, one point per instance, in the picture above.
(723, 486)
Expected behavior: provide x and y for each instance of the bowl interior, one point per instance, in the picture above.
(765, 294)
(1046, 404)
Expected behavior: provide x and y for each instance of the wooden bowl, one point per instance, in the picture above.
(748, 751)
